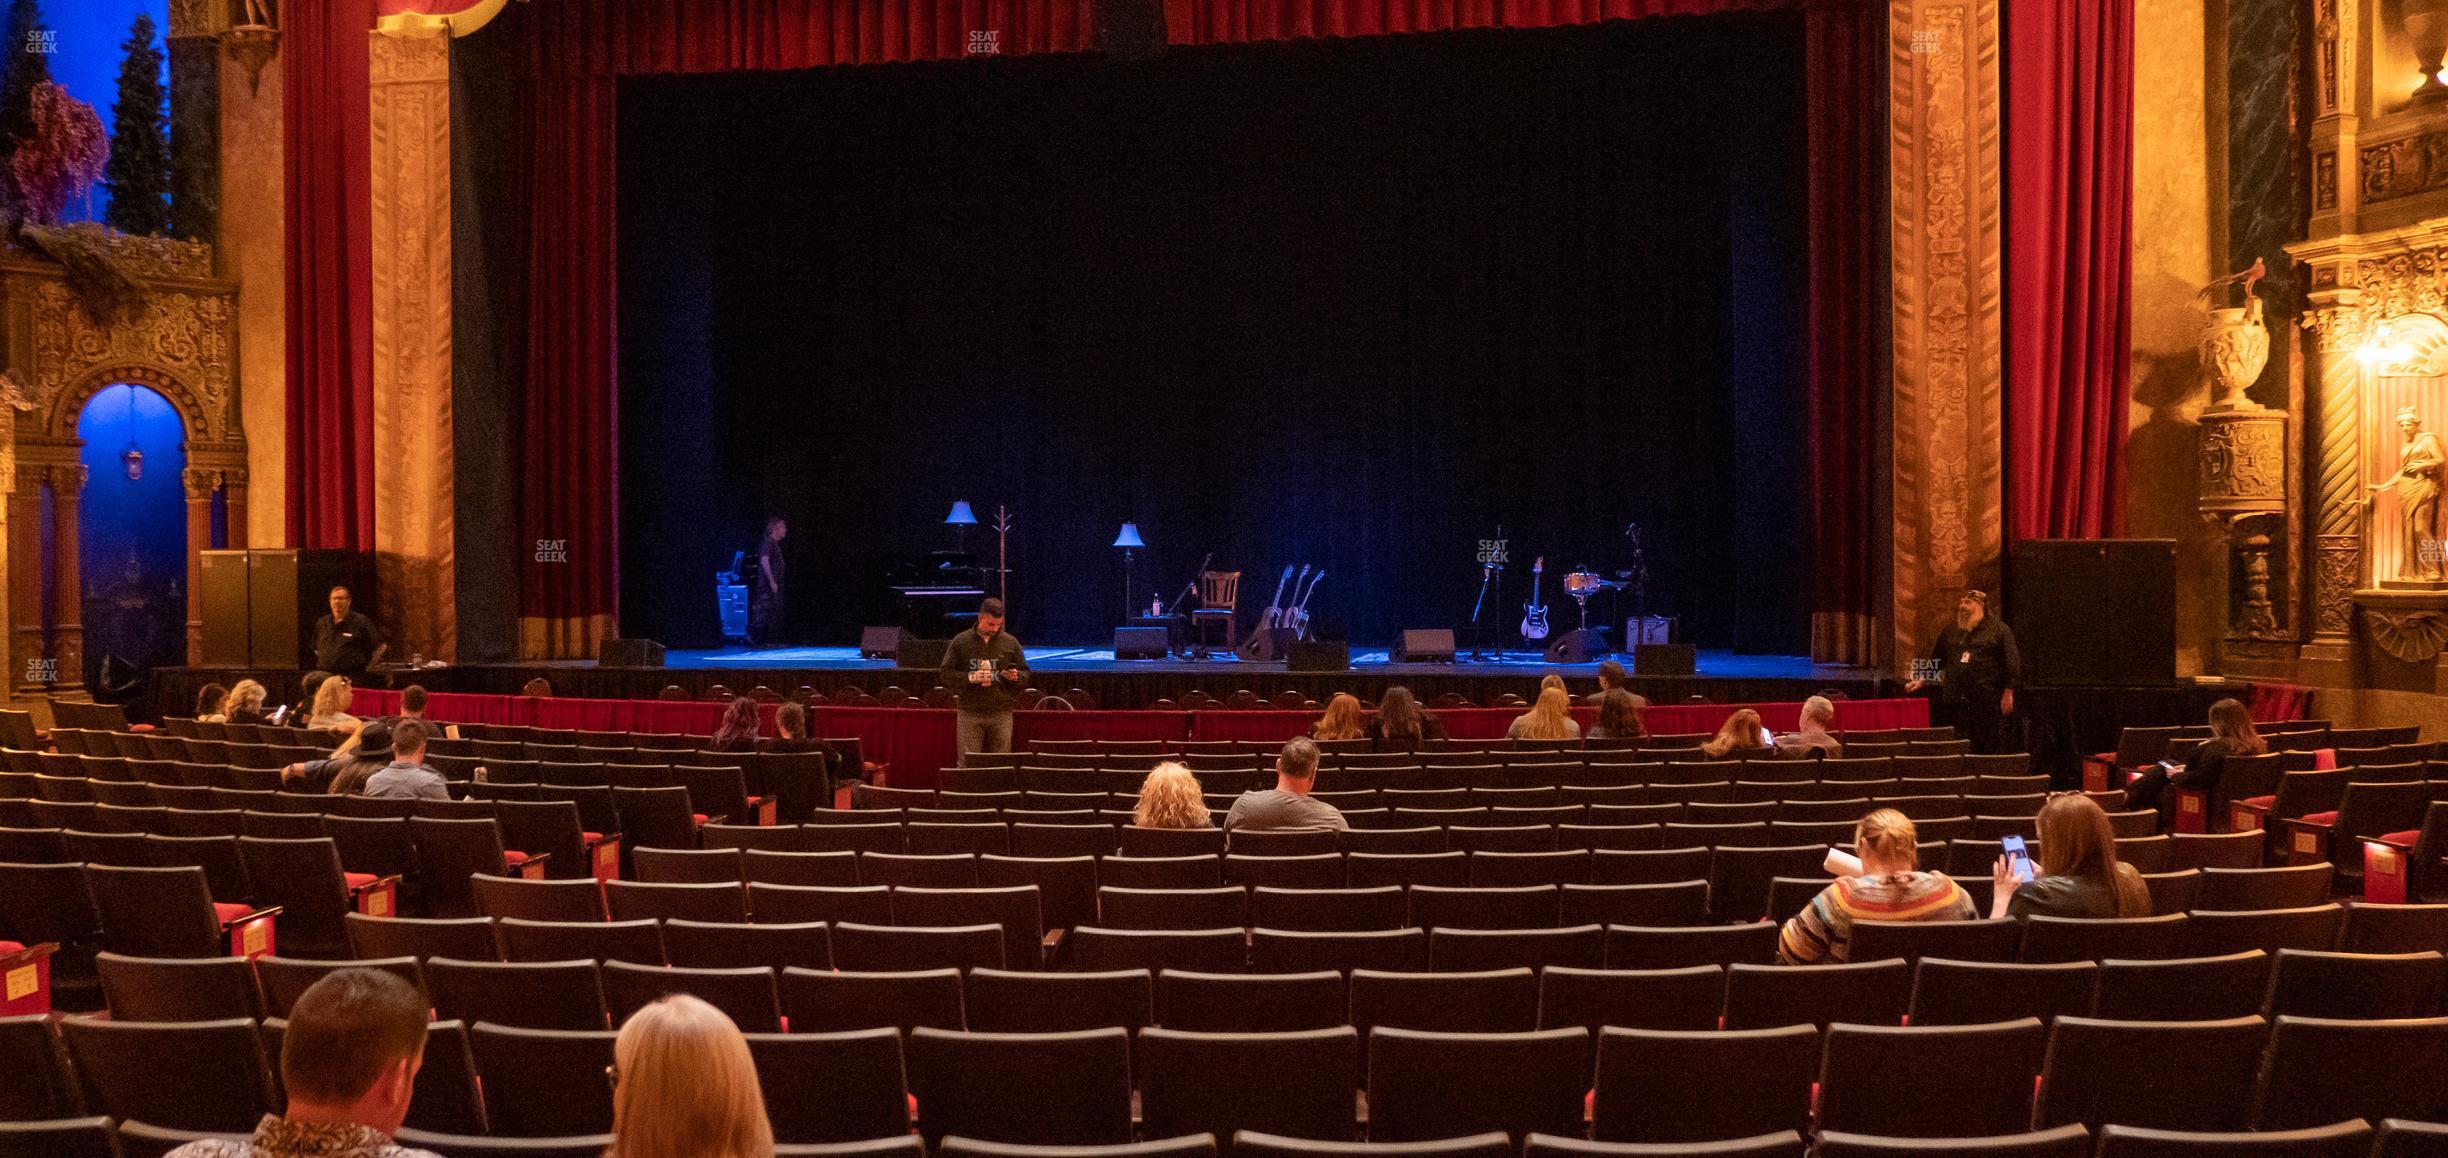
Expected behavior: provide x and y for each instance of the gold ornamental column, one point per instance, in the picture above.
(412, 340)
(1945, 175)
(200, 483)
(67, 498)
(25, 577)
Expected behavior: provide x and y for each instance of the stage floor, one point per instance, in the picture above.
(1380, 662)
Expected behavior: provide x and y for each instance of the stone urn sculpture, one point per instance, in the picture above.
(2426, 26)
(2235, 343)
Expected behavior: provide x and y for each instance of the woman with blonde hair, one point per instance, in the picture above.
(1171, 797)
(1740, 733)
(1889, 887)
(331, 704)
(684, 1086)
(1341, 721)
(1548, 719)
(245, 703)
(2080, 875)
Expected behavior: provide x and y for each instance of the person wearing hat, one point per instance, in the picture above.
(346, 772)
(1976, 667)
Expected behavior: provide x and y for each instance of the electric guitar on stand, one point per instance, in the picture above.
(1260, 645)
(1534, 614)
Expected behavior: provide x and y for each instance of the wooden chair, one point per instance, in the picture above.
(1219, 602)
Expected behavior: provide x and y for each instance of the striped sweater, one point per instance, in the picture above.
(1823, 931)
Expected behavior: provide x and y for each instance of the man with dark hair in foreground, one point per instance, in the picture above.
(1287, 807)
(349, 1061)
(985, 668)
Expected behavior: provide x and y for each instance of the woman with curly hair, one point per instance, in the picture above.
(1170, 797)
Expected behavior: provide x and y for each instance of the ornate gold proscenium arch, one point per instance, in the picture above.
(177, 343)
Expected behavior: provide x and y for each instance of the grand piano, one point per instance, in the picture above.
(936, 596)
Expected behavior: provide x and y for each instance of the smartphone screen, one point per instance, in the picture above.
(2018, 858)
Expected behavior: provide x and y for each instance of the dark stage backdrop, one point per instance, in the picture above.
(1345, 302)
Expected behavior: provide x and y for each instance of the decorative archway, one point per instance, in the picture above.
(179, 343)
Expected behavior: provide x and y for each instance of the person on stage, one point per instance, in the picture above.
(1976, 666)
(346, 642)
(765, 599)
(986, 668)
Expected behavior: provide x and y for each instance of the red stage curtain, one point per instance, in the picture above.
(1847, 132)
(2069, 265)
(327, 203)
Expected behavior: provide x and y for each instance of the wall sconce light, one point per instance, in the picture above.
(2383, 350)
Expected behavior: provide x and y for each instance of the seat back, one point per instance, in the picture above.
(1665, 1087)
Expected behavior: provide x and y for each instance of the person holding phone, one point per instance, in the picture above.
(985, 668)
(2079, 874)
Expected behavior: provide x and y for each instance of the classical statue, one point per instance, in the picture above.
(2417, 483)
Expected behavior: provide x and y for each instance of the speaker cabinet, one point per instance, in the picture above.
(628, 653)
(1580, 645)
(1318, 655)
(288, 589)
(881, 642)
(921, 654)
(1426, 645)
(1140, 642)
(226, 618)
(1665, 659)
(2094, 611)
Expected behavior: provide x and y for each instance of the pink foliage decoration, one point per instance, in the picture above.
(63, 156)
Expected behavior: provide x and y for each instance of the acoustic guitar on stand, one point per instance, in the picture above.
(1298, 617)
(1260, 644)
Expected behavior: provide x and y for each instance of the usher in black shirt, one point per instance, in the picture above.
(345, 646)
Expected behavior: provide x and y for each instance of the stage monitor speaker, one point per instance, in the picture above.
(1665, 659)
(288, 589)
(628, 653)
(1141, 642)
(226, 617)
(921, 654)
(881, 642)
(1130, 29)
(1426, 645)
(1318, 655)
(1580, 645)
(2093, 611)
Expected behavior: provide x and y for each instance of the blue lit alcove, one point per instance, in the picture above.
(133, 530)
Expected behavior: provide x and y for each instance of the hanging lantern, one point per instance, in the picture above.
(132, 458)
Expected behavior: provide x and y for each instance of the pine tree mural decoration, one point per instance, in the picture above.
(139, 173)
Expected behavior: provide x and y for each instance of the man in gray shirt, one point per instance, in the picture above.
(407, 777)
(1287, 806)
(986, 669)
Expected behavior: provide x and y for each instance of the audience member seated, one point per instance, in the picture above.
(684, 1086)
(1620, 716)
(245, 704)
(738, 730)
(537, 688)
(1611, 675)
(310, 685)
(347, 771)
(1170, 797)
(1402, 725)
(1811, 741)
(1341, 721)
(349, 1061)
(2080, 875)
(1287, 807)
(2231, 734)
(1890, 887)
(331, 703)
(1740, 734)
(407, 777)
(209, 699)
(1548, 719)
(790, 731)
